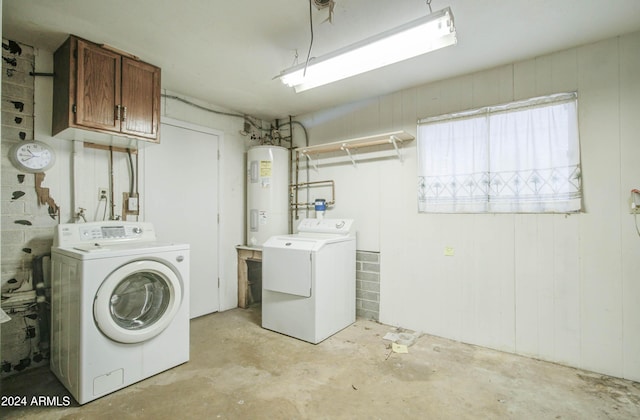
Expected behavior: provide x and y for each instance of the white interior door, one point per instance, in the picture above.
(181, 200)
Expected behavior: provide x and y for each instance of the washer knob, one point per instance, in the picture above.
(137, 230)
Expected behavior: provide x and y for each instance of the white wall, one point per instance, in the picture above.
(562, 288)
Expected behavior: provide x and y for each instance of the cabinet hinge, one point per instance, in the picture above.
(74, 108)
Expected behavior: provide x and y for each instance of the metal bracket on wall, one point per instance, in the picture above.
(394, 140)
(315, 164)
(346, 149)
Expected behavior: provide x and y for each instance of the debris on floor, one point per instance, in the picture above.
(401, 340)
(399, 348)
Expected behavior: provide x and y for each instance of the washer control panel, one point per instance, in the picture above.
(102, 232)
(333, 226)
(110, 232)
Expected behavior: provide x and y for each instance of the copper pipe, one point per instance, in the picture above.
(297, 186)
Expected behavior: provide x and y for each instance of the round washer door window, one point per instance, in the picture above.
(137, 301)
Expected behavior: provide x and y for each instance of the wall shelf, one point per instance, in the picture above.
(396, 138)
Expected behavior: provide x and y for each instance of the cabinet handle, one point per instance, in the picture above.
(124, 113)
(117, 112)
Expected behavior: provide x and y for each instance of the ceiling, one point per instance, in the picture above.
(228, 52)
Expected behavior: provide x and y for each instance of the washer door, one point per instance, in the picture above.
(137, 301)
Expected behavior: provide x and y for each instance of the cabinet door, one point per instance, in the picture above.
(98, 87)
(140, 98)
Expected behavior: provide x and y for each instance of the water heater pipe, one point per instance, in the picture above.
(295, 205)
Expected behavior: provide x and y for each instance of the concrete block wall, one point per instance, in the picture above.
(368, 285)
(26, 226)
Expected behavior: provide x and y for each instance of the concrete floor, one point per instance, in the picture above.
(240, 371)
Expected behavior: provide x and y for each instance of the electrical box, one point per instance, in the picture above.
(130, 204)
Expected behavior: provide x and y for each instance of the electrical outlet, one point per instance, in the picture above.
(102, 193)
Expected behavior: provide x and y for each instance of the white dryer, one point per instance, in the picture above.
(119, 306)
(309, 280)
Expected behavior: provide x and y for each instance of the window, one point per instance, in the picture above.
(521, 157)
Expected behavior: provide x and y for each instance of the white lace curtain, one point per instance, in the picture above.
(522, 157)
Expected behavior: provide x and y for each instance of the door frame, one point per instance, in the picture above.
(220, 134)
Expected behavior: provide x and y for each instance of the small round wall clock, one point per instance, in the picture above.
(32, 156)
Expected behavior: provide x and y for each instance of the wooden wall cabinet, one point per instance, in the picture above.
(100, 89)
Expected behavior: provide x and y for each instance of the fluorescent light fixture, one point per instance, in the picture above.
(412, 39)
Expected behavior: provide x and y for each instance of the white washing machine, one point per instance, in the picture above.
(309, 280)
(119, 306)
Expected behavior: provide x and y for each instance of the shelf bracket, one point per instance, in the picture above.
(346, 149)
(394, 140)
(309, 160)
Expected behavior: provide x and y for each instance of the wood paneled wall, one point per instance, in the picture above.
(562, 288)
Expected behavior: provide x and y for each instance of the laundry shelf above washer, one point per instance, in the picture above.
(396, 138)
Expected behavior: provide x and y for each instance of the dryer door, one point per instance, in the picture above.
(137, 301)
